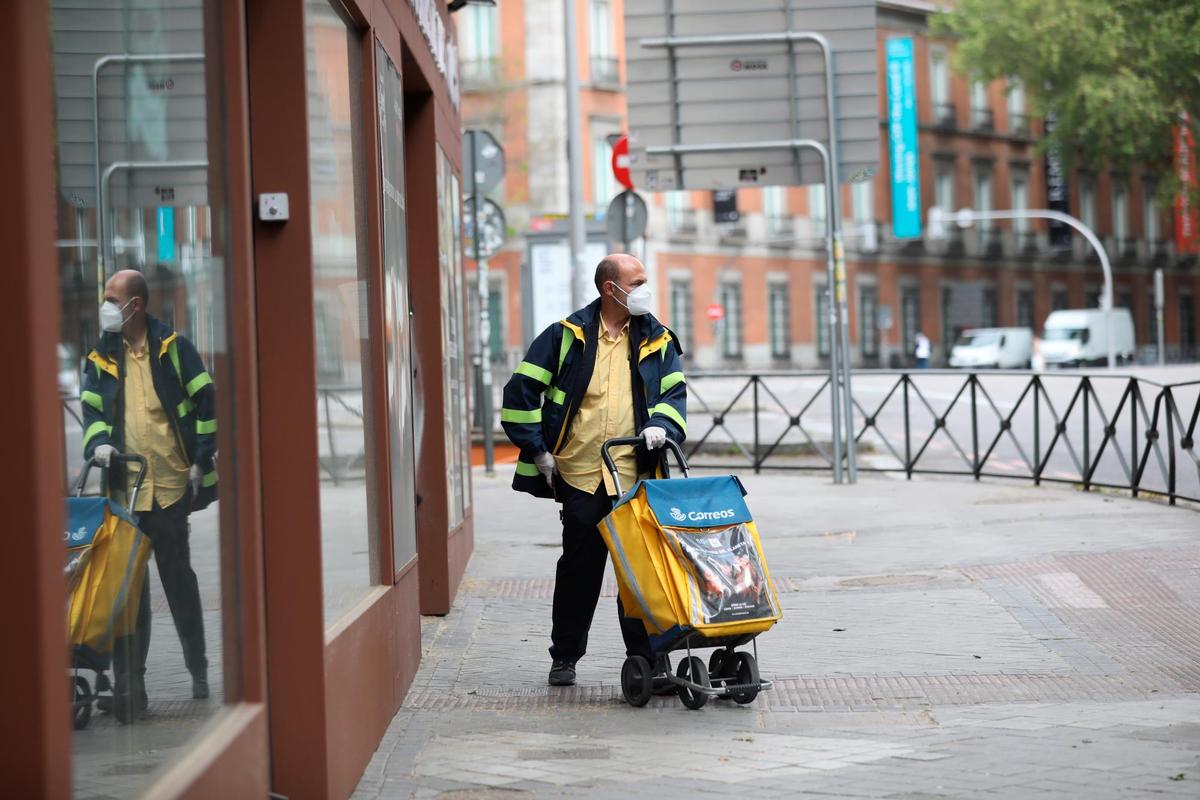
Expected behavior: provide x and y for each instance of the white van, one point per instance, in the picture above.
(1078, 337)
(993, 348)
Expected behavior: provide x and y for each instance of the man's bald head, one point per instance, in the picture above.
(125, 286)
(620, 268)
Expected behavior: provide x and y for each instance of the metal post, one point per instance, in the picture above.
(1087, 435)
(974, 427)
(965, 216)
(578, 236)
(1037, 431)
(907, 432)
(757, 461)
(485, 331)
(823, 152)
(1159, 300)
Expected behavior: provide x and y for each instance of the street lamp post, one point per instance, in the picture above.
(965, 217)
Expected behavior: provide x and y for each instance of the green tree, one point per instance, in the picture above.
(1115, 73)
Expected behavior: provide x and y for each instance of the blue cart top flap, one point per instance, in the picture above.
(698, 502)
(85, 515)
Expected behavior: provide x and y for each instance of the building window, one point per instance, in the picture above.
(984, 200)
(939, 85)
(1087, 202)
(910, 318)
(678, 211)
(817, 204)
(479, 38)
(1187, 326)
(731, 331)
(949, 335)
(604, 183)
(1020, 202)
(862, 201)
(1025, 307)
(821, 319)
(981, 112)
(1059, 299)
(775, 209)
(1018, 116)
(1120, 214)
(495, 315)
(779, 319)
(681, 312)
(943, 184)
(1150, 215)
(868, 322)
(600, 42)
(987, 310)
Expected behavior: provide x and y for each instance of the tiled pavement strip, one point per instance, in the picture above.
(941, 638)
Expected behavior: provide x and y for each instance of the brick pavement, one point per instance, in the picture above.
(942, 638)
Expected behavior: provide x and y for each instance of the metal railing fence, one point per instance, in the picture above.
(1094, 430)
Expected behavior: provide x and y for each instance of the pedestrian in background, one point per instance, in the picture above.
(609, 370)
(922, 350)
(146, 392)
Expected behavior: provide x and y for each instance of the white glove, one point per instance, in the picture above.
(655, 437)
(194, 476)
(545, 465)
(103, 454)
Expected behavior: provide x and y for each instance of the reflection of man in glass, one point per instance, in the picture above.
(146, 391)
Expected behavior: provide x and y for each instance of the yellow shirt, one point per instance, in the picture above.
(148, 432)
(606, 412)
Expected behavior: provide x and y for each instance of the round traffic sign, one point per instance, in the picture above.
(626, 217)
(492, 228)
(715, 312)
(620, 162)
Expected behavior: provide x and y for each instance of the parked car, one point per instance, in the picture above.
(993, 348)
(1077, 337)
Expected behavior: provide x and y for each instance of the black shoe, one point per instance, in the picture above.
(126, 707)
(199, 687)
(562, 673)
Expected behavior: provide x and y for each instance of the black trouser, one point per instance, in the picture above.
(580, 576)
(167, 529)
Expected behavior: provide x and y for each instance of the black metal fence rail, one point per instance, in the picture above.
(1094, 430)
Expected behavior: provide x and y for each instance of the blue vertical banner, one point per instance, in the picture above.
(166, 235)
(902, 139)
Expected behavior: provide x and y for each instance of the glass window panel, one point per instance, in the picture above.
(780, 320)
(161, 229)
(821, 320)
(340, 268)
(731, 334)
(910, 316)
(862, 197)
(681, 312)
(454, 352)
(397, 344)
(868, 330)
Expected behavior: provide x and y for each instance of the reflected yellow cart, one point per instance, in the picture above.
(690, 566)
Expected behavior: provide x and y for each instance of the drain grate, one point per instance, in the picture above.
(564, 754)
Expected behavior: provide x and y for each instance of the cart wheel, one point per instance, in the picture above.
(744, 672)
(717, 662)
(635, 681)
(693, 669)
(81, 702)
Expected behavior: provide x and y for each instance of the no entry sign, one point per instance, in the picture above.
(715, 312)
(620, 162)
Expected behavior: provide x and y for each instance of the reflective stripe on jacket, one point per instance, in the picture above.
(543, 395)
(183, 386)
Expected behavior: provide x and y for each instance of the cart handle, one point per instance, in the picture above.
(670, 444)
(117, 458)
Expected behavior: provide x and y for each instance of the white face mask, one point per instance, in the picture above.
(112, 316)
(637, 301)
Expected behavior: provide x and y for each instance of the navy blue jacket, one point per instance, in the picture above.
(543, 395)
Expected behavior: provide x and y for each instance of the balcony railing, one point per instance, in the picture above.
(1018, 124)
(944, 115)
(982, 119)
(605, 70)
(479, 72)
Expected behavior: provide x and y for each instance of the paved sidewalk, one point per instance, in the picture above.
(941, 638)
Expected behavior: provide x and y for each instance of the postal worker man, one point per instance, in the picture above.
(610, 370)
